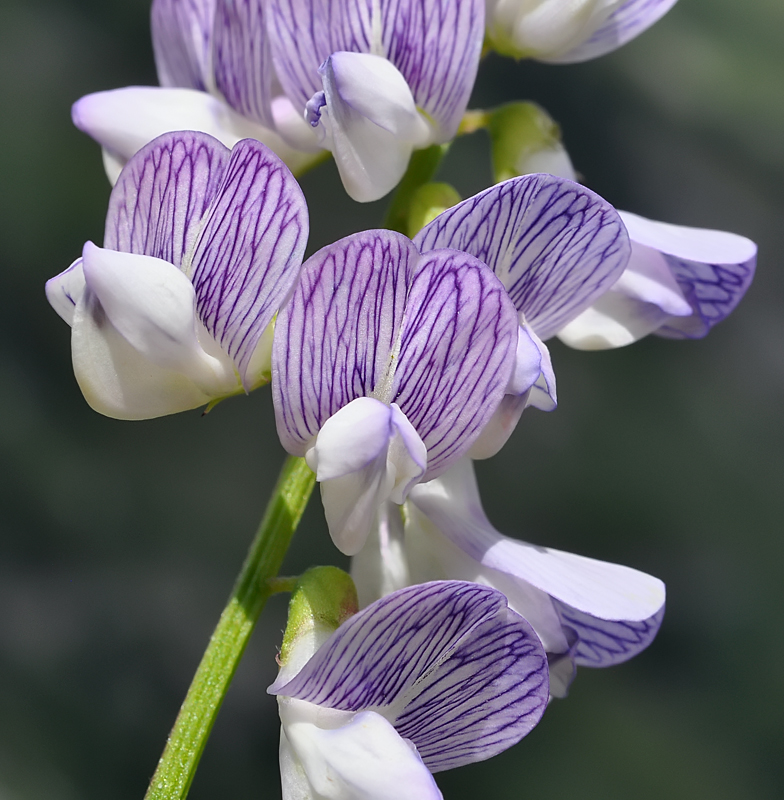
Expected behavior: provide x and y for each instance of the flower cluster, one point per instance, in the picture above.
(393, 361)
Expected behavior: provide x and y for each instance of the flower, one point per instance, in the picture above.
(216, 76)
(377, 79)
(561, 33)
(586, 612)
(202, 246)
(678, 284)
(678, 281)
(556, 247)
(426, 679)
(386, 366)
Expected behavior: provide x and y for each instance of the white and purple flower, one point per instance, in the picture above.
(216, 76)
(378, 78)
(387, 364)
(564, 33)
(556, 247)
(202, 246)
(428, 678)
(586, 612)
(679, 283)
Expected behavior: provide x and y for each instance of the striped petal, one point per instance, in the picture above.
(250, 247)
(436, 46)
(555, 245)
(604, 643)
(242, 62)
(334, 338)
(235, 223)
(182, 42)
(157, 206)
(457, 351)
(448, 663)
(626, 22)
(713, 270)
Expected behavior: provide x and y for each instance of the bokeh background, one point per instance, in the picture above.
(120, 541)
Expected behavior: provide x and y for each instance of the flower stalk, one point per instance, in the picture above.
(177, 766)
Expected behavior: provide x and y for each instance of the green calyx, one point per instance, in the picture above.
(323, 598)
(427, 203)
(519, 131)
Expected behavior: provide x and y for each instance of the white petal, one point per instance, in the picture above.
(363, 759)
(553, 160)
(122, 121)
(381, 566)
(543, 393)
(692, 244)
(351, 439)
(649, 279)
(116, 379)
(614, 320)
(500, 427)
(371, 122)
(604, 590)
(152, 305)
(407, 458)
(545, 28)
(293, 781)
(364, 454)
(65, 290)
(644, 297)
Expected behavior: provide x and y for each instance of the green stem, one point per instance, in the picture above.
(175, 771)
(421, 169)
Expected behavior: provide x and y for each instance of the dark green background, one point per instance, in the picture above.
(120, 540)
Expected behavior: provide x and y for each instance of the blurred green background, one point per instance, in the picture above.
(120, 541)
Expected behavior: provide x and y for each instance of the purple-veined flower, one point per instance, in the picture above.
(678, 284)
(386, 366)
(567, 32)
(556, 247)
(426, 679)
(216, 76)
(202, 246)
(586, 612)
(379, 78)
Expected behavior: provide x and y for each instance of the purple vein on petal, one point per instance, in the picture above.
(555, 245)
(436, 46)
(488, 694)
(383, 651)
(457, 346)
(622, 25)
(249, 250)
(182, 41)
(334, 338)
(461, 675)
(157, 205)
(713, 290)
(242, 61)
(603, 643)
